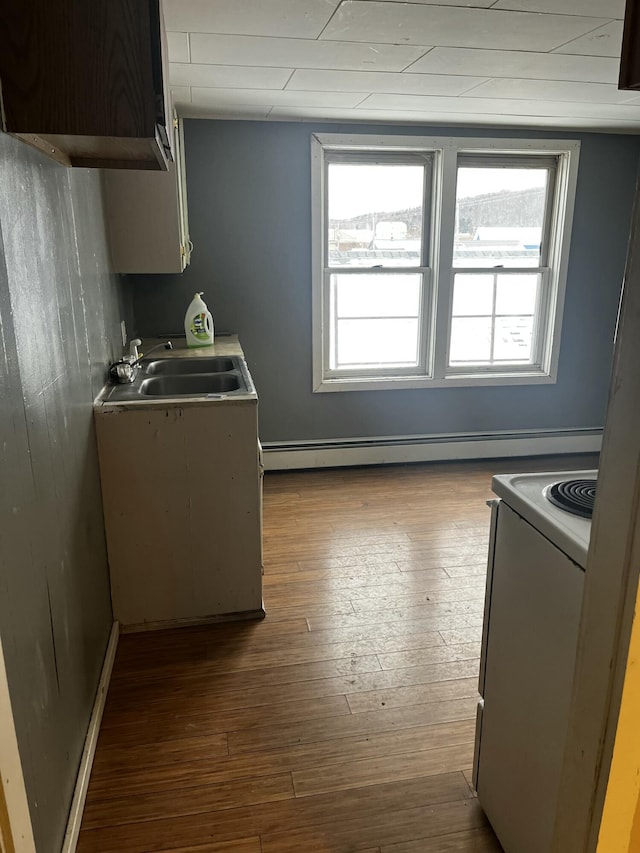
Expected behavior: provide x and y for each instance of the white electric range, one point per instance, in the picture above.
(527, 494)
(535, 578)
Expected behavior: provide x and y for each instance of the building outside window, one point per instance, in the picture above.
(439, 261)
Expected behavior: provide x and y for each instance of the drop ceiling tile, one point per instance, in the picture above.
(301, 53)
(376, 81)
(269, 97)
(586, 123)
(316, 114)
(180, 95)
(596, 8)
(228, 76)
(433, 119)
(605, 41)
(515, 63)
(243, 112)
(496, 106)
(470, 4)
(285, 18)
(360, 115)
(178, 45)
(551, 90)
(449, 26)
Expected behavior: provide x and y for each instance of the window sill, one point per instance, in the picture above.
(408, 383)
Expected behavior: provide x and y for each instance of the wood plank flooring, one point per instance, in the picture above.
(342, 722)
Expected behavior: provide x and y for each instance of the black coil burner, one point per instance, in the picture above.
(576, 496)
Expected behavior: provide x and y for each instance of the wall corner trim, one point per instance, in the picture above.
(89, 751)
(390, 450)
(16, 831)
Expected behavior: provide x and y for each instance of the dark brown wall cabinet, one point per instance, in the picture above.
(82, 80)
(630, 58)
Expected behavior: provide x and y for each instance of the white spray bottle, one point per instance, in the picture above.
(198, 323)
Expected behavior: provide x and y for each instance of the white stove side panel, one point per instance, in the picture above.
(534, 613)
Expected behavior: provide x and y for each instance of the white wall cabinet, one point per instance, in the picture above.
(147, 216)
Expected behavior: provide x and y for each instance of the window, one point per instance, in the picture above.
(376, 277)
(438, 261)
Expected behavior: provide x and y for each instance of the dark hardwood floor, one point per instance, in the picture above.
(342, 722)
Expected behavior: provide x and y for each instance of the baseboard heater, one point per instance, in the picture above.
(390, 450)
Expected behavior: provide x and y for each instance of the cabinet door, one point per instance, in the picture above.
(630, 56)
(261, 492)
(181, 177)
(82, 81)
(195, 551)
(495, 509)
(147, 217)
(534, 613)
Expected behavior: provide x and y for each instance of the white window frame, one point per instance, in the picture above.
(433, 371)
(423, 269)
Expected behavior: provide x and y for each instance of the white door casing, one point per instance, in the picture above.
(16, 834)
(611, 585)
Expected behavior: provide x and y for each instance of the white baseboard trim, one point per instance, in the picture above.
(86, 763)
(427, 448)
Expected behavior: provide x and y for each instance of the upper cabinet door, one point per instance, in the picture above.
(630, 58)
(82, 80)
(147, 216)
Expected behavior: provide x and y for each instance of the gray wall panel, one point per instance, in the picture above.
(60, 309)
(250, 221)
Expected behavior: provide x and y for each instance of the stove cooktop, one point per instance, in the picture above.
(526, 494)
(575, 496)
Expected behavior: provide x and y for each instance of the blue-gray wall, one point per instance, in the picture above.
(60, 310)
(250, 219)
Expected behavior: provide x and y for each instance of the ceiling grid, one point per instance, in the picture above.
(515, 63)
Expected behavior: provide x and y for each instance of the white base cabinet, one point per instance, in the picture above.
(181, 487)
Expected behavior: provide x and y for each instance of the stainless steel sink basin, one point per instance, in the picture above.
(185, 376)
(179, 366)
(189, 385)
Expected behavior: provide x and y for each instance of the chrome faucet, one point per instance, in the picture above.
(124, 371)
(133, 350)
(135, 357)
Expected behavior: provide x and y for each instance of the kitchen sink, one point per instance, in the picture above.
(179, 366)
(190, 385)
(184, 377)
